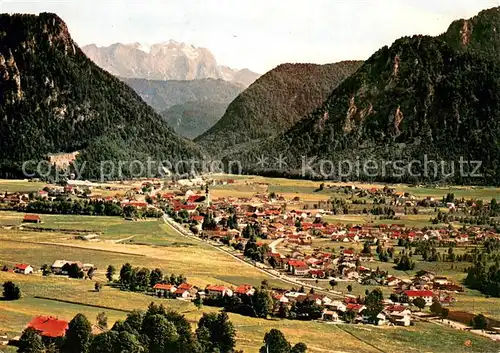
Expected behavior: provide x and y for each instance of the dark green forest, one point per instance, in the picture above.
(420, 98)
(54, 99)
(275, 102)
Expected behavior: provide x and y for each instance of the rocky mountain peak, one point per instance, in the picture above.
(170, 60)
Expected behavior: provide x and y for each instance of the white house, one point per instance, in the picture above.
(25, 269)
(182, 293)
(218, 291)
(337, 305)
(427, 295)
(164, 290)
(329, 315)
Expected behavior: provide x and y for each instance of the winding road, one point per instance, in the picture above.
(182, 231)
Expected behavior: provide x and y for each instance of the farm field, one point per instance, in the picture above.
(306, 188)
(20, 185)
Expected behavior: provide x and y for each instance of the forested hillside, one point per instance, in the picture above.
(54, 99)
(191, 119)
(420, 97)
(274, 102)
(162, 95)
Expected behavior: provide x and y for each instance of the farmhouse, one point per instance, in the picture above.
(185, 291)
(329, 315)
(49, 326)
(182, 293)
(59, 267)
(32, 218)
(25, 269)
(427, 295)
(163, 290)
(218, 291)
(244, 289)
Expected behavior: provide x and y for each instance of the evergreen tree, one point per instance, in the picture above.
(419, 303)
(299, 348)
(126, 275)
(219, 331)
(78, 335)
(262, 303)
(104, 342)
(275, 342)
(102, 320)
(155, 277)
(11, 291)
(127, 343)
(162, 335)
(30, 342)
(480, 322)
(374, 306)
(110, 272)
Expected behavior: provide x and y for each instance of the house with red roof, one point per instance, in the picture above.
(48, 326)
(198, 219)
(189, 208)
(357, 308)
(298, 267)
(281, 298)
(164, 289)
(195, 199)
(427, 295)
(244, 289)
(218, 291)
(182, 293)
(398, 314)
(25, 269)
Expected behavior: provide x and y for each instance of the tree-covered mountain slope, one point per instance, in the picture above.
(420, 98)
(191, 119)
(275, 102)
(162, 95)
(54, 99)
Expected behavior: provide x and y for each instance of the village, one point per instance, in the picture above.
(295, 240)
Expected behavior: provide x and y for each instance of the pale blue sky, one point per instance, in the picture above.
(258, 34)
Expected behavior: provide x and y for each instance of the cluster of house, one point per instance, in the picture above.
(183, 291)
(301, 226)
(59, 267)
(332, 310)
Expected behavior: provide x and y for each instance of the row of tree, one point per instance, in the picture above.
(142, 279)
(155, 331)
(87, 207)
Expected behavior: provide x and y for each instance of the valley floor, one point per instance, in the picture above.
(154, 244)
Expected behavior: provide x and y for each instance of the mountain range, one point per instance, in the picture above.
(164, 61)
(190, 107)
(54, 99)
(423, 97)
(434, 98)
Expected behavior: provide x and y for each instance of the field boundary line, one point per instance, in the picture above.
(83, 304)
(360, 339)
(71, 246)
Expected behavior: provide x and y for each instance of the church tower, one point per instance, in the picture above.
(207, 196)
